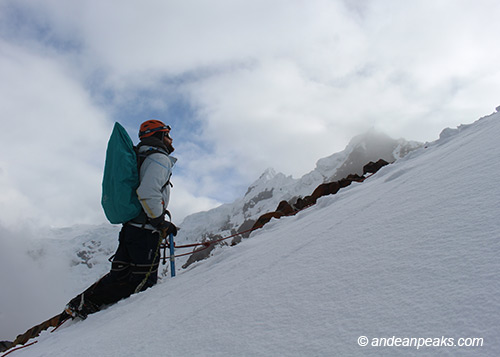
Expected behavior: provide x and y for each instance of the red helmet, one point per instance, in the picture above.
(150, 127)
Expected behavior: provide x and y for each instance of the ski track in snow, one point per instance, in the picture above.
(411, 252)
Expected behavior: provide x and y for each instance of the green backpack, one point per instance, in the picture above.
(120, 179)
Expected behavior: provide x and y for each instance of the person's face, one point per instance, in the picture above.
(168, 142)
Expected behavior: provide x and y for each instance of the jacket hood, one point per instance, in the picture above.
(155, 143)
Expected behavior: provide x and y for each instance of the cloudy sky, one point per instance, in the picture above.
(245, 85)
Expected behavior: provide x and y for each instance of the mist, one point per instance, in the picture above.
(35, 282)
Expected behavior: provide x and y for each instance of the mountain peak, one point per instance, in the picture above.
(266, 181)
(370, 146)
(268, 174)
(369, 137)
(272, 187)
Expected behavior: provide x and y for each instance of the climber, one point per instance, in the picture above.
(135, 264)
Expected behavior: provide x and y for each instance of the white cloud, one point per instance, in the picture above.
(53, 141)
(183, 202)
(273, 83)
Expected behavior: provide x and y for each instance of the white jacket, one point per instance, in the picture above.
(154, 187)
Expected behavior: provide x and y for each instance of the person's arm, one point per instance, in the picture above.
(155, 172)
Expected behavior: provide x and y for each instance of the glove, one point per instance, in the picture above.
(165, 228)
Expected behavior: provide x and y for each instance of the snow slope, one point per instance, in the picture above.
(56, 264)
(412, 252)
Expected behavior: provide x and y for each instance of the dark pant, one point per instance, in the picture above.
(136, 258)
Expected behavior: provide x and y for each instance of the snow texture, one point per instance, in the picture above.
(412, 252)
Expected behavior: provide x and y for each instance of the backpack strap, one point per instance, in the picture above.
(141, 157)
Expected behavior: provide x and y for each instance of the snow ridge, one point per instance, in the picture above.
(271, 188)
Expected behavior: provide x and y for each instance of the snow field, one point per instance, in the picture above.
(412, 252)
